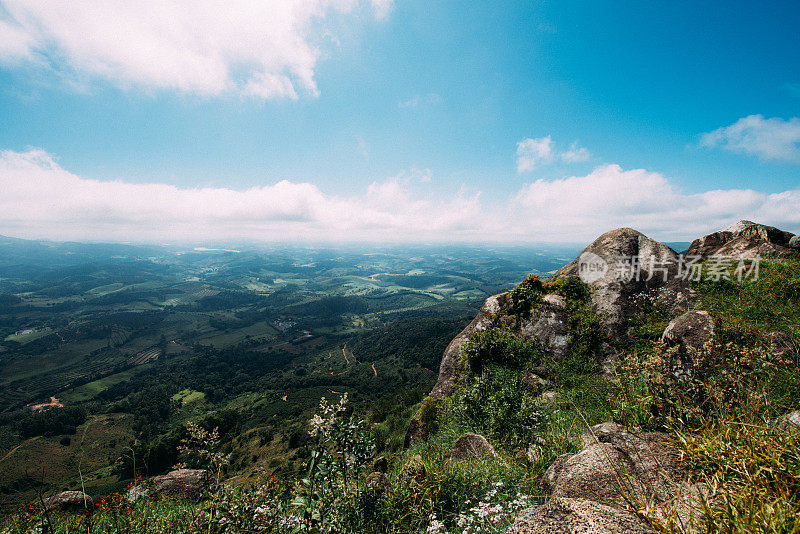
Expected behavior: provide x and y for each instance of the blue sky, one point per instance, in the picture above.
(405, 120)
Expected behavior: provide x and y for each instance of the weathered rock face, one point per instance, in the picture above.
(690, 331)
(472, 447)
(183, 483)
(617, 469)
(744, 239)
(794, 243)
(70, 501)
(573, 516)
(624, 266)
(549, 325)
(617, 466)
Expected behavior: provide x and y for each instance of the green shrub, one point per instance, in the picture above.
(499, 405)
(497, 346)
(571, 288)
(587, 335)
(526, 295)
(428, 414)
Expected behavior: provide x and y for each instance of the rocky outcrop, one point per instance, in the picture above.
(690, 332)
(450, 369)
(69, 501)
(744, 239)
(794, 243)
(617, 467)
(623, 267)
(548, 325)
(572, 516)
(472, 447)
(619, 290)
(183, 483)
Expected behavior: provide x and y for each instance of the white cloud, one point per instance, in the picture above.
(15, 44)
(579, 208)
(533, 152)
(575, 154)
(207, 47)
(41, 199)
(769, 139)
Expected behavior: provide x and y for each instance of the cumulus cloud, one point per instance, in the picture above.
(577, 208)
(43, 200)
(575, 154)
(770, 139)
(533, 153)
(208, 47)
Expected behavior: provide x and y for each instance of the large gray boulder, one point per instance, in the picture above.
(794, 243)
(744, 239)
(690, 332)
(619, 470)
(183, 483)
(624, 268)
(616, 467)
(572, 516)
(69, 501)
(472, 447)
(450, 368)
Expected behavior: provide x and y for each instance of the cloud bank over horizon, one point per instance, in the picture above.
(43, 200)
(263, 50)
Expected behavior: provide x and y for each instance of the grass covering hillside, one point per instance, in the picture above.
(722, 419)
